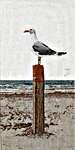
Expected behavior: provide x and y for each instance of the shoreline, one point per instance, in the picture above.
(17, 117)
(29, 93)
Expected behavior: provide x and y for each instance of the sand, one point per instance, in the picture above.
(16, 117)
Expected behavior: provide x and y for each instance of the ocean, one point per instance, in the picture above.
(10, 85)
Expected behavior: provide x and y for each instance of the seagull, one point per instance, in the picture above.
(40, 48)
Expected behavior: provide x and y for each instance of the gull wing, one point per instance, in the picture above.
(43, 49)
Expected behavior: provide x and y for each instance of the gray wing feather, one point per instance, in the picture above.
(43, 49)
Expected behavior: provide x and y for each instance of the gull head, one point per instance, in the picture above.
(31, 31)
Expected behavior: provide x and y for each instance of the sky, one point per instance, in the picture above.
(54, 22)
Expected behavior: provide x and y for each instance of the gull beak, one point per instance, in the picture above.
(26, 31)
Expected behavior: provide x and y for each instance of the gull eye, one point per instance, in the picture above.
(31, 31)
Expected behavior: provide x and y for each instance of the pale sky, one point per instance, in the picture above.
(54, 21)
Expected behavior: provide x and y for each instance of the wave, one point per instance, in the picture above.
(10, 85)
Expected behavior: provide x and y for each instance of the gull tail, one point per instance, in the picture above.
(61, 53)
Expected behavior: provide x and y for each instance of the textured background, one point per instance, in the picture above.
(54, 22)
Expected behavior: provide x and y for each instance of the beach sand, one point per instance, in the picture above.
(16, 115)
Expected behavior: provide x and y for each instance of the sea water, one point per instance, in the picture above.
(13, 85)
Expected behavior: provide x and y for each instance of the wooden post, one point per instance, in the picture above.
(38, 99)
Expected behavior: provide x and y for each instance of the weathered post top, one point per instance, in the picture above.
(38, 73)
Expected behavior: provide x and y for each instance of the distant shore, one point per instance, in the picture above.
(29, 93)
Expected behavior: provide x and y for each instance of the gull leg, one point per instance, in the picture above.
(39, 60)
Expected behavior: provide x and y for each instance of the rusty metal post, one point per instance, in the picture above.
(38, 99)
